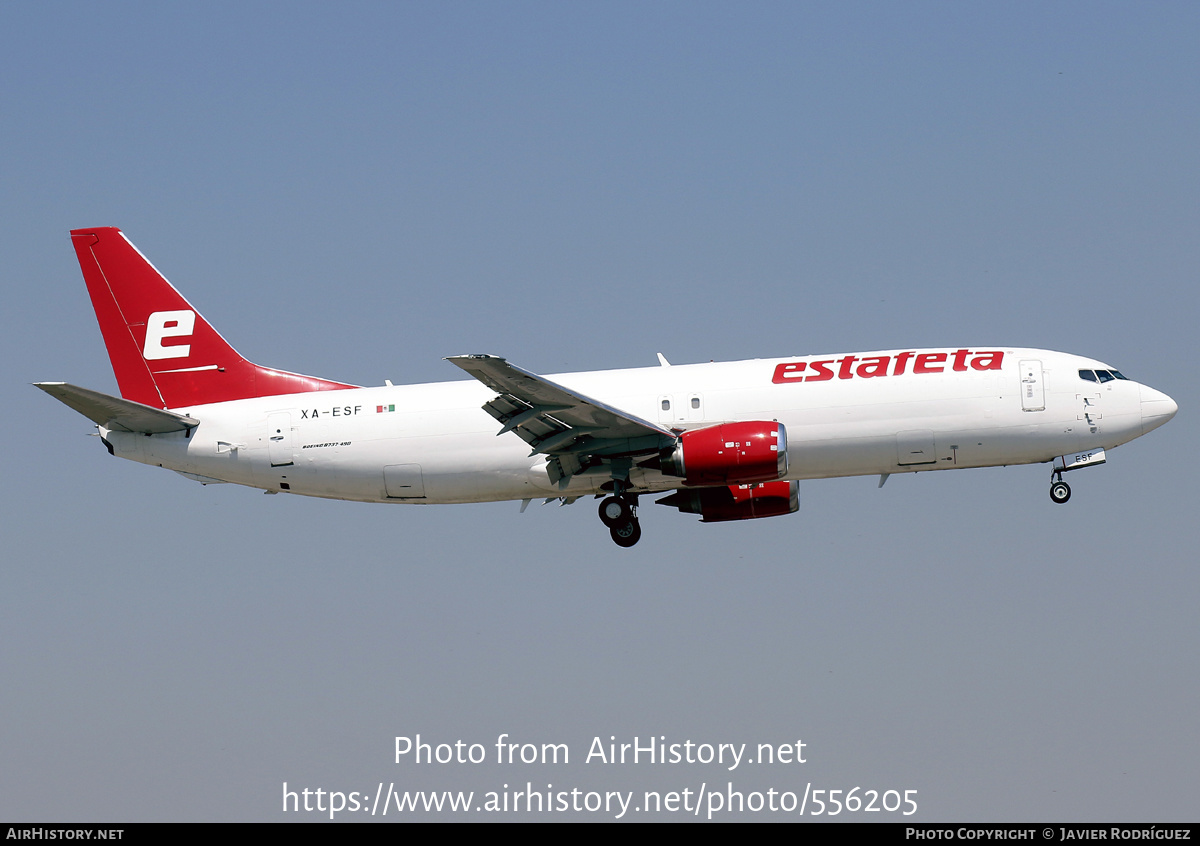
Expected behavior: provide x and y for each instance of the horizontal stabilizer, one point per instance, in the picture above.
(114, 413)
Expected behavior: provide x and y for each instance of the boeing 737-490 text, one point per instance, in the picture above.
(731, 440)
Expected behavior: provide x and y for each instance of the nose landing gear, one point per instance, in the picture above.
(1060, 491)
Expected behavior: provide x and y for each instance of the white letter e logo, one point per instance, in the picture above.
(168, 324)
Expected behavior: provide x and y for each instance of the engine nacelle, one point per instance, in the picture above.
(738, 502)
(731, 453)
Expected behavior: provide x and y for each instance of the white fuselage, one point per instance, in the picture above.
(845, 415)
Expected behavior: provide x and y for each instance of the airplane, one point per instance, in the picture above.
(729, 440)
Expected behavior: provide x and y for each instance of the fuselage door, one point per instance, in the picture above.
(1033, 389)
(279, 438)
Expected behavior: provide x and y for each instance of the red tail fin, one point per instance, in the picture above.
(163, 352)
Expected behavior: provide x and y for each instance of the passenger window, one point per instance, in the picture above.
(695, 402)
(1104, 375)
(666, 405)
(1088, 375)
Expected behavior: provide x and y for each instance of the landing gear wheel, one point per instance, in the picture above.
(614, 511)
(626, 534)
(1060, 492)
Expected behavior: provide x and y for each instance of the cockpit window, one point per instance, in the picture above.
(1102, 375)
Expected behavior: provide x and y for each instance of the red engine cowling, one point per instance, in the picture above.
(738, 502)
(731, 453)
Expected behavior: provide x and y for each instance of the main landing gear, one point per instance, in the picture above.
(619, 513)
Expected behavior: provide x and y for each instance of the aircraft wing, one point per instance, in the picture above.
(557, 421)
(116, 413)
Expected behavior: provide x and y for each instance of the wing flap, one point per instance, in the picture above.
(116, 413)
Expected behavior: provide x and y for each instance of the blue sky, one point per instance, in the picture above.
(358, 191)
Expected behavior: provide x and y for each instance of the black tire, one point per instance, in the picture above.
(1060, 492)
(626, 534)
(614, 511)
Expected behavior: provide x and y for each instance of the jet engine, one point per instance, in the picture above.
(729, 453)
(737, 502)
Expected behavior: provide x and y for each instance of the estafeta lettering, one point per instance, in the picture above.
(871, 366)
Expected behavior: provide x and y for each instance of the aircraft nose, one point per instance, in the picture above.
(1157, 408)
